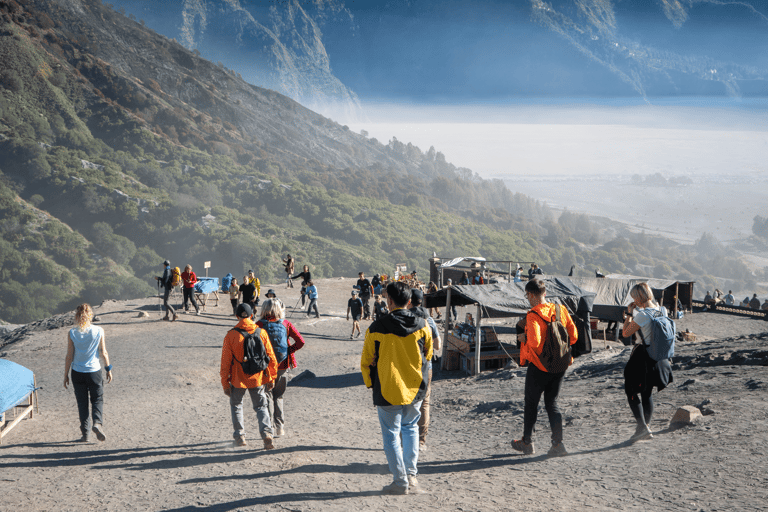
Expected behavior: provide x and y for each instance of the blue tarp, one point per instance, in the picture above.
(16, 383)
(207, 284)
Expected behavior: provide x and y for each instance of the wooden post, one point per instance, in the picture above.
(444, 356)
(477, 339)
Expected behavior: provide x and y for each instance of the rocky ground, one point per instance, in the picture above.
(169, 444)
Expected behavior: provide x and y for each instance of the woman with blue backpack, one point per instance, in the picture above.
(649, 364)
(286, 340)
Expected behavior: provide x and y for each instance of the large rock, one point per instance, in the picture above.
(685, 415)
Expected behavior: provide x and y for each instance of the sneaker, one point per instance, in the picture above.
(641, 434)
(557, 450)
(351, 336)
(99, 432)
(279, 432)
(240, 441)
(175, 316)
(422, 446)
(522, 446)
(413, 486)
(84, 439)
(197, 313)
(358, 335)
(166, 318)
(268, 444)
(394, 489)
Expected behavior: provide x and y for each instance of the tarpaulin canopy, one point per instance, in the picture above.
(613, 290)
(16, 383)
(508, 299)
(456, 261)
(207, 284)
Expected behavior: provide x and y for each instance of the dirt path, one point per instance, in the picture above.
(169, 429)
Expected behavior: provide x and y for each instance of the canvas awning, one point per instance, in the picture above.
(613, 290)
(456, 261)
(508, 299)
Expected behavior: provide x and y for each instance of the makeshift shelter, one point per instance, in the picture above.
(204, 287)
(17, 391)
(509, 300)
(442, 269)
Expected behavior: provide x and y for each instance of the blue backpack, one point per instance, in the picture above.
(662, 345)
(278, 335)
(226, 283)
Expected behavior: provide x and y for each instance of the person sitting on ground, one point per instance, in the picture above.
(189, 279)
(729, 298)
(755, 302)
(312, 296)
(379, 308)
(538, 379)
(648, 373)
(236, 382)
(234, 294)
(166, 281)
(84, 344)
(306, 277)
(394, 365)
(417, 299)
(273, 320)
(247, 293)
(355, 306)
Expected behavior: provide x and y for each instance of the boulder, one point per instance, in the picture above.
(685, 415)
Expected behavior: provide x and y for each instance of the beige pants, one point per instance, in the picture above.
(424, 420)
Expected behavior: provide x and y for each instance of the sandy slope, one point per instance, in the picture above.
(169, 430)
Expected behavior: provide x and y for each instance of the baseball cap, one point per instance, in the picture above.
(244, 311)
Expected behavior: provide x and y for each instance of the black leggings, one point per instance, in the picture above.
(642, 406)
(88, 385)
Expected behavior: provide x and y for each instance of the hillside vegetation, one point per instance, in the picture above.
(121, 148)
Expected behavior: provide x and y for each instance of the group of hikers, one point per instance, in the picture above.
(396, 364)
(717, 298)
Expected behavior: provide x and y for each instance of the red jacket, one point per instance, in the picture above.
(189, 279)
(298, 342)
(536, 328)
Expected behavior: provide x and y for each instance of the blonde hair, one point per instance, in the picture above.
(272, 310)
(642, 293)
(83, 317)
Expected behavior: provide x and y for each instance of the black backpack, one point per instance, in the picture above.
(255, 357)
(556, 350)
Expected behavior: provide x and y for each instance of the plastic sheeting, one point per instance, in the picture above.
(508, 299)
(456, 261)
(613, 290)
(16, 383)
(207, 284)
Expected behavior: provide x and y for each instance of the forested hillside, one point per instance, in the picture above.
(119, 148)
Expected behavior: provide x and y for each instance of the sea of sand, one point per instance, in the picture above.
(169, 432)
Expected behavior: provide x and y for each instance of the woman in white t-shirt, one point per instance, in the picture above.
(85, 343)
(642, 373)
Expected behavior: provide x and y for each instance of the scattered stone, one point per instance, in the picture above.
(685, 415)
(143, 314)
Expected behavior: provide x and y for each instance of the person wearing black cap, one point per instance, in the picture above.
(236, 382)
(355, 306)
(417, 299)
(271, 294)
(167, 281)
(366, 290)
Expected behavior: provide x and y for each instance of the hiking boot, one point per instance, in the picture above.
(268, 444)
(99, 432)
(413, 486)
(240, 441)
(166, 318)
(557, 450)
(394, 489)
(279, 432)
(175, 316)
(522, 446)
(641, 434)
(85, 439)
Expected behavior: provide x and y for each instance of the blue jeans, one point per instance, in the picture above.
(397, 420)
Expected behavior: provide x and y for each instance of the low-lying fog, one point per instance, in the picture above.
(582, 156)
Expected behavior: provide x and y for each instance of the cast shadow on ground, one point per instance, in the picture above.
(353, 468)
(276, 499)
(346, 380)
(309, 335)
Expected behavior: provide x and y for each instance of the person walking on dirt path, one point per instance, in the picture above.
(84, 345)
(366, 291)
(355, 306)
(234, 294)
(274, 322)
(236, 382)
(252, 279)
(642, 373)
(312, 296)
(247, 293)
(417, 299)
(394, 361)
(288, 262)
(166, 281)
(189, 279)
(453, 314)
(538, 379)
(306, 277)
(379, 308)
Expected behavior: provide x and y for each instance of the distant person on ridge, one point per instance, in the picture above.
(306, 277)
(417, 299)
(765, 304)
(236, 382)
(166, 280)
(84, 345)
(464, 279)
(289, 269)
(729, 299)
(538, 379)
(355, 307)
(394, 365)
(755, 302)
(189, 279)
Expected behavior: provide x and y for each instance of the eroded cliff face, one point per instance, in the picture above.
(279, 47)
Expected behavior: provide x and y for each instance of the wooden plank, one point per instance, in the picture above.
(27, 410)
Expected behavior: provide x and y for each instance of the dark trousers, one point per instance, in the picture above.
(366, 306)
(536, 383)
(313, 305)
(189, 295)
(88, 385)
(642, 406)
(234, 306)
(168, 307)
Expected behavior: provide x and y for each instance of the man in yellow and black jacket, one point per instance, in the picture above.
(394, 364)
